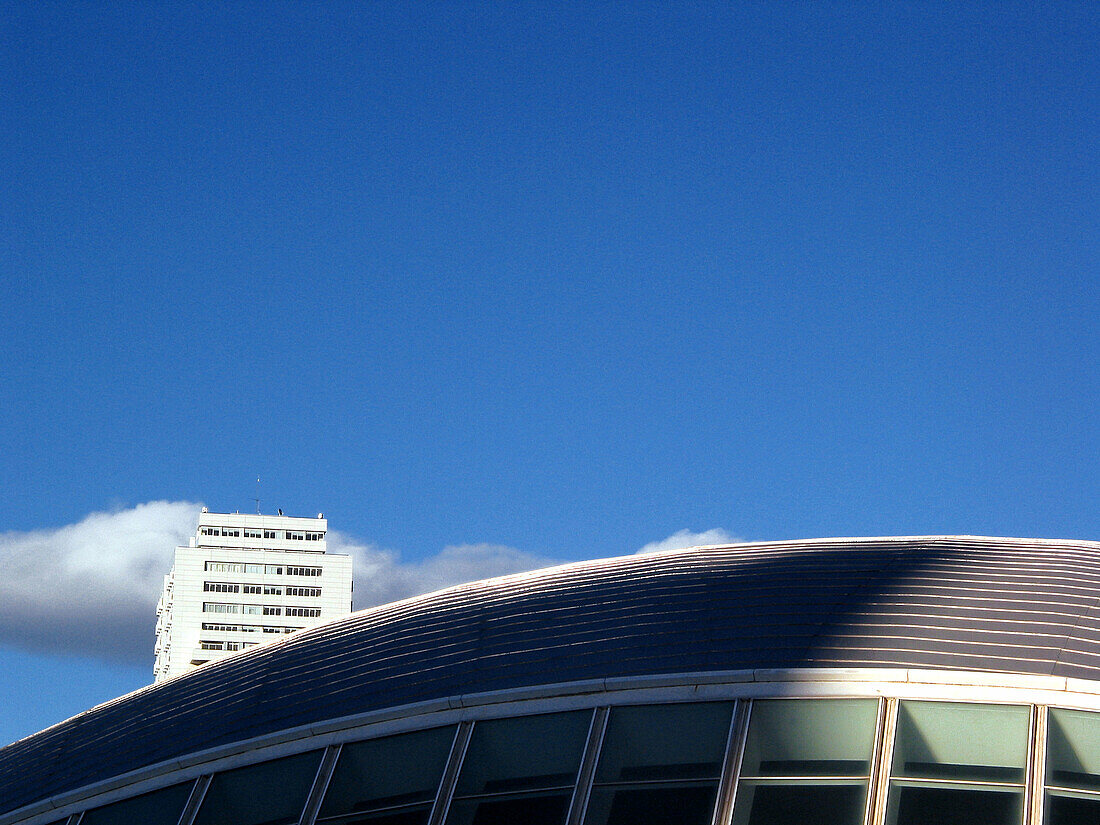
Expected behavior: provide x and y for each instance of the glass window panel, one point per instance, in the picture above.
(1072, 809)
(660, 764)
(524, 752)
(783, 802)
(399, 816)
(395, 777)
(810, 737)
(652, 742)
(520, 770)
(682, 803)
(959, 741)
(161, 807)
(945, 804)
(1073, 748)
(532, 808)
(806, 738)
(271, 793)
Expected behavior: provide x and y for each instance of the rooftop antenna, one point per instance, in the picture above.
(257, 499)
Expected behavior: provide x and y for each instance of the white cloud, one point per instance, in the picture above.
(686, 538)
(92, 587)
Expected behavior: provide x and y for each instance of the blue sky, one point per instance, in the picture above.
(498, 284)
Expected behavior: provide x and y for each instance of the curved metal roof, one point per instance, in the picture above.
(955, 603)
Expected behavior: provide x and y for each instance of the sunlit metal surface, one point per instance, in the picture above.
(950, 603)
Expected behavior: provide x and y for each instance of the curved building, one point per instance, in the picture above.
(927, 680)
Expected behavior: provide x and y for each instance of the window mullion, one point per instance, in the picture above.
(876, 763)
(450, 774)
(194, 801)
(731, 763)
(578, 805)
(320, 785)
(879, 782)
(1036, 776)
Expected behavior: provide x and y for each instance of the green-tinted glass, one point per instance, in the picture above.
(388, 773)
(945, 803)
(1073, 749)
(660, 764)
(800, 802)
(270, 793)
(689, 802)
(161, 807)
(652, 742)
(1072, 808)
(810, 737)
(520, 770)
(961, 742)
(524, 752)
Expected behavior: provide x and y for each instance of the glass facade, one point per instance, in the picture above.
(957, 762)
(660, 763)
(387, 781)
(520, 770)
(157, 808)
(1072, 768)
(807, 762)
(772, 761)
(270, 793)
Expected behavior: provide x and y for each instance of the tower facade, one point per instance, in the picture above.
(243, 580)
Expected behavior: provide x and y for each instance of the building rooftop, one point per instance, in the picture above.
(959, 603)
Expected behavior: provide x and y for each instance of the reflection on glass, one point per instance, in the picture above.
(1073, 749)
(943, 750)
(810, 737)
(660, 764)
(1067, 808)
(958, 741)
(388, 781)
(520, 770)
(1073, 767)
(827, 802)
(806, 761)
(953, 805)
(271, 793)
(161, 807)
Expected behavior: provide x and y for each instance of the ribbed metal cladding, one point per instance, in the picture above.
(956, 603)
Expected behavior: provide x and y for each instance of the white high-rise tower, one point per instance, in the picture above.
(244, 580)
